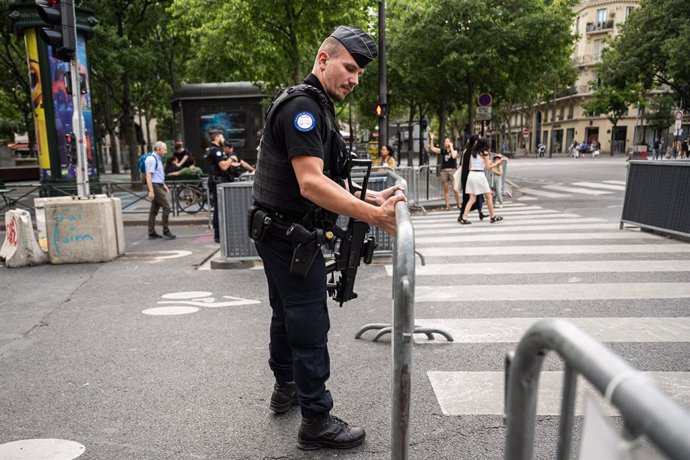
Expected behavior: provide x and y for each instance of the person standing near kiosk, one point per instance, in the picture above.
(219, 165)
(300, 175)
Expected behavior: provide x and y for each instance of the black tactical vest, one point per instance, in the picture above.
(275, 183)
(216, 174)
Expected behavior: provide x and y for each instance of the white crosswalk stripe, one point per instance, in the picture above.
(522, 224)
(555, 249)
(493, 236)
(573, 189)
(542, 193)
(588, 266)
(453, 251)
(585, 191)
(482, 393)
(600, 185)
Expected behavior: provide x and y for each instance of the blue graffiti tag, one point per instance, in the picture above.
(72, 235)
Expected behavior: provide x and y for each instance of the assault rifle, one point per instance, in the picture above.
(350, 245)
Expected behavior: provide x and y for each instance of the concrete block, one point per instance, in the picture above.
(81, 230)
(20, 248)
(119, 225)
(39, 205)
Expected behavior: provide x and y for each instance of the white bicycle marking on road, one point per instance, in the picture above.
(186, 302)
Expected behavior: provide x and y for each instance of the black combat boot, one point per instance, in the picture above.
(283, 397)
(328, 431)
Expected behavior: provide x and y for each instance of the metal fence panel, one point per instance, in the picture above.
(656, 196)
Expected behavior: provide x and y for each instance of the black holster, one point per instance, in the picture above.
(258, 223)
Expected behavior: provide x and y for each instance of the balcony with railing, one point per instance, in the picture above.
(587, 59)
(599, 27)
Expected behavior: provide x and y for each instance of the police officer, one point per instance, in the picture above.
(219, 165)
(301, 165)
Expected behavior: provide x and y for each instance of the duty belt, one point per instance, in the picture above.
(280, 222)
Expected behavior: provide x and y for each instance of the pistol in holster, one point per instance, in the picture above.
(308, 246)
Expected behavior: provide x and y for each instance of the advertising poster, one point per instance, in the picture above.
(62, 103)
(37, 102)
(233, 125)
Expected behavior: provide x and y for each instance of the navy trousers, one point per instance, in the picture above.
(299, 326)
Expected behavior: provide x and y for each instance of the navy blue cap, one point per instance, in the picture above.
(358, 43)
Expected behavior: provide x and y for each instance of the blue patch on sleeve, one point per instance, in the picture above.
(305, 122)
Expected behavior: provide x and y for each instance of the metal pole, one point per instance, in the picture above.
(383, 122)
(78, 121)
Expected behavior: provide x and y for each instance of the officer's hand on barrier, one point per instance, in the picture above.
(386, 220)
(389, 192)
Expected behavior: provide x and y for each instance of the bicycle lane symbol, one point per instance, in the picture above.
(187, 302)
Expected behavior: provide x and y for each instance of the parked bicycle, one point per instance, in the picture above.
(191, 198)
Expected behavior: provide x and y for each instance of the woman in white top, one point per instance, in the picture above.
(476, 181)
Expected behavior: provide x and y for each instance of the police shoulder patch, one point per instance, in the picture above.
(305, 122)
(218, 153)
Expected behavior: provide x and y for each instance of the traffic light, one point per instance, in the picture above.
(60, 32)
(380, 110)
(71, 144)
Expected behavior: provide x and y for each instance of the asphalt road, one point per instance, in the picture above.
(90, 353)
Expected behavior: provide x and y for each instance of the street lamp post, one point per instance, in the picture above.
(383, 100)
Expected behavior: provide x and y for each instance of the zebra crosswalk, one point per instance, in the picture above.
(574, 189)
(486, 284)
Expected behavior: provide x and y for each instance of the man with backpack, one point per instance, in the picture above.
(155, 181)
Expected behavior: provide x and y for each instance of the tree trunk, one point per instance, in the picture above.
(470, 104)
(128, 127)
(410, 133)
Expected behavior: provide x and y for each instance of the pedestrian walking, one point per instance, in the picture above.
(155, 182)
(476, 180)
(464, 173)
(302, 162)
(497, 181)
(572, 149)
(449, 164)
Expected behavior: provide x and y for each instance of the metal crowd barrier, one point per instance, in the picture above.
(131, 193)
(656, 196)
(429, 187)
(403, 328)
(645, 409)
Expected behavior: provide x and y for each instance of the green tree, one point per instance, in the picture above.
(16, 113)
(652, 49)
(261, 40)
(612, 102)
(449, 51)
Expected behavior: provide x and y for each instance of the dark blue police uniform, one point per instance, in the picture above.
(301, 121)
(216, 175)
(300, 322)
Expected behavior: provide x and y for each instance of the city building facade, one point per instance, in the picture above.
(558, 122)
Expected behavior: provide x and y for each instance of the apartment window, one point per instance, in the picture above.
(577, 25)
(628, 10)
(602, 15)
(571, 111)
(560, 112)
(597, 47)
